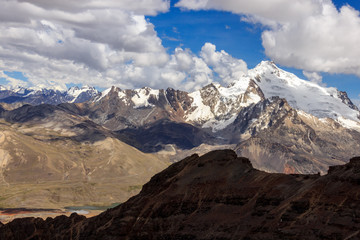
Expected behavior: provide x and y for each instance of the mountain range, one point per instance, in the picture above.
(47, 96)
(280, 122)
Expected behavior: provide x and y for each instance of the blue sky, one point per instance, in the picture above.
(192, 29)
(132, 44)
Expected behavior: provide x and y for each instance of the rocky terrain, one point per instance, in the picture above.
(219, 196)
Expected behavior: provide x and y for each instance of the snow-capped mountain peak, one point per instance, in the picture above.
(215, 106)
(38, 95)
(142, 96)
(137, 98)
(81, 94)
(19, 90)
(303, 95)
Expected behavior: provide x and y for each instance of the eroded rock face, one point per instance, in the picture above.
(279, 138)
(219, 196)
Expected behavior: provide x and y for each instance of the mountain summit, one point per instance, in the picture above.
(266, 80)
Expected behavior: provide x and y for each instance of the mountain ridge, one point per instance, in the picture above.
(219, 196)
(36, 96)
(215, 102)
(255, 113)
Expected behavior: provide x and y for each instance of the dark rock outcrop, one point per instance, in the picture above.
(346, 100)
(37, 228)
(219, 196)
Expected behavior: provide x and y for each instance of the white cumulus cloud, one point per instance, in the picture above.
(326, 42)
(313, 77)
(101, 43)
(227, 67)
(269, 12)
(86, 41)
(312, 35)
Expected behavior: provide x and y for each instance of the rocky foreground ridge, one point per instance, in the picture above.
(219, 196)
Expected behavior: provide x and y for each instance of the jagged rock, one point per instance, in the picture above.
(346, 100)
